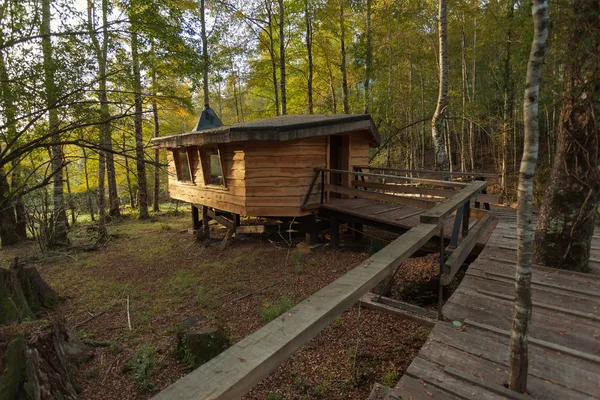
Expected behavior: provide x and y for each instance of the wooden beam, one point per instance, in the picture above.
(234, 372)
(431, 172)
(220, 219)
(492, 387)
(387, 198)
(460, 254)
(432, 182)
(451, 204)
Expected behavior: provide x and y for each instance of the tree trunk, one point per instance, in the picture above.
(522, 312)
(568, 214)
(369, 60)
(156, 198)
(70, 199)
(8, 232)
(87, 186)
(128, 175)
(473, 90)
(282, 57)
(309, 33)
(205, 59)
(60, 214)
(441, 158)
(343, 61)
(139, 139)
(272, 55)
(507, 111)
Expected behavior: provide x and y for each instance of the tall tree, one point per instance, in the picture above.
(508, 96)
(343, 59)
(282, 57)
(309, 34)
(205, 59)
(368, 58)
(156, 191)
(441, 158)
(522, 313)
(105, 154)
(569, 210)
(139, 139)
(60, 213)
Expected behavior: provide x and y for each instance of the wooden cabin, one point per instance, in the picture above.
(264, 168)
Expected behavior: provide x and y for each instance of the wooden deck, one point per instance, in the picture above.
(472, 361)
(389, 216)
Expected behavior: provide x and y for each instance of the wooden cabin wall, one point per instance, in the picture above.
(278, 175)
(358, 153)
(231, 198)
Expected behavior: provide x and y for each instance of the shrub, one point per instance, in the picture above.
(390, 378)
(142, 366)
(270, 311)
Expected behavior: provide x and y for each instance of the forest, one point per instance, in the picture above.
(87, 84)
(499, 87)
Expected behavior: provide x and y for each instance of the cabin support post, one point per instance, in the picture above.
(441, 268)
(310, 229)
(334, 233)
(357, 233)
(195, 218)
(205, 219)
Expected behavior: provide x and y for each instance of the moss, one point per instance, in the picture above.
(14, 375)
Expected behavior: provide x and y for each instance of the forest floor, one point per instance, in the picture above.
(168, 277)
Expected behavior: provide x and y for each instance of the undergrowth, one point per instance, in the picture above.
(142, 366)
(270, 311)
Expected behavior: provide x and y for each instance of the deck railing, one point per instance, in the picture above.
(235, 371)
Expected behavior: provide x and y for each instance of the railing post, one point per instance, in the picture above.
(440, 286)
(466, 219)
(456, 229)
(322, 186)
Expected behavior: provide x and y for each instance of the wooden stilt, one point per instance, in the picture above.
(358, 230)
(195, 218)
(334, 233)
(205, 220)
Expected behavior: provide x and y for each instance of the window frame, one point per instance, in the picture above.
(177, 153)
(205, 163)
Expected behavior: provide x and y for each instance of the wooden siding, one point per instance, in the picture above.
(279, 173)
(266, 178)
(231, 198)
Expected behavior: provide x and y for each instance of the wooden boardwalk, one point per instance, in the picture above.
(471, 361)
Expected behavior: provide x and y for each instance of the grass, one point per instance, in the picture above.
(270, 311)
(205, 299)
(142, 366)
(183, 283)
(297, 261)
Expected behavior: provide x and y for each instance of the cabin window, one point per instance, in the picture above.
(186, 163)
(211, 166)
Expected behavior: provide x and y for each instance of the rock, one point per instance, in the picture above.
(197, 345)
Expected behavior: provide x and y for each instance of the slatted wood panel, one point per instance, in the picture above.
(472, 361)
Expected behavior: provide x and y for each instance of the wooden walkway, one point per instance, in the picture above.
(471, 361)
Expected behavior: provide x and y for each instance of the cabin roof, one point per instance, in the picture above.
(282, 128)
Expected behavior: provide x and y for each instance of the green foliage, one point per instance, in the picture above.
(183, 283)
(206, 299)
(142, 367)
(297, 260)
(390, 378)
(375, 246)
(270, 311)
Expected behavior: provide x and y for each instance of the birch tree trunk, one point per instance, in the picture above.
(343, 61)
(60, 214)
(309, 34)
(282, 57)
(369, 60)
(139, 139)
(441, 158)
(569, 211)
(522, 312)
(156, 191)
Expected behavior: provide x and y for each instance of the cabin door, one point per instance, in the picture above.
(339, 146)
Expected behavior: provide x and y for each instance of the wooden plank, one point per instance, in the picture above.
(453, 203)
(404, 188)
(388, 198)
(460, 254)
(370, 300)
(279, 172)
(432, 182)
(419, 390)
(431, 172)
(387, 210)
(538, 342)
(499, 389)
(235, 371)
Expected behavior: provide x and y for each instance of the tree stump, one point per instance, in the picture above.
(197, 344)
(35, 355)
